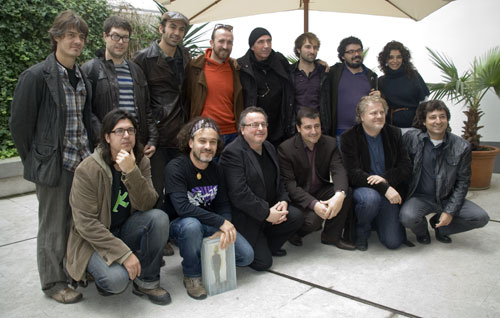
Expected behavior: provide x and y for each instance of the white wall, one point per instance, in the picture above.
(462, 30)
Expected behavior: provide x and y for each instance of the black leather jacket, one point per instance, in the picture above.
(452, 168)
(38, 121)
(281, 66)
(106, 95)
(324, 97)
(167, 91)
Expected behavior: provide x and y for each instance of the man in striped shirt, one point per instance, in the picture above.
(120, 83)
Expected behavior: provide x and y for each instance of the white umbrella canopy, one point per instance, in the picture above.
(212, 10)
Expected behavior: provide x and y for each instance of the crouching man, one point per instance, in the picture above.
(440, 178)
(116, 236)
(196, 201)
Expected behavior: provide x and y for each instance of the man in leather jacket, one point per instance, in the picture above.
(120, 83)
(441, 178)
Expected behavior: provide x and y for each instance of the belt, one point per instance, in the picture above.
(395, 110)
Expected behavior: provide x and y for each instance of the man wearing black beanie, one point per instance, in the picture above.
(266, 83)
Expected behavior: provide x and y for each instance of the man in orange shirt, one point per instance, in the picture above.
(214, 87)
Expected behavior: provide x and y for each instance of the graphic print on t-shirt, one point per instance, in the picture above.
(203, 195)
(121, 200)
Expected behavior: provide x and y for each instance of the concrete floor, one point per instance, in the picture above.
(438, 280)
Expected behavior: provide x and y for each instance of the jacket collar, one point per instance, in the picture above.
(97, 156)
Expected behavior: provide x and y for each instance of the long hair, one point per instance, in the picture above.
(427, 107)
(187, 133)
(63, 22)
(383, 57)
(108, 123)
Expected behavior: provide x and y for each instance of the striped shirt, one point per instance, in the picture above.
(75, 143)
(126, 85)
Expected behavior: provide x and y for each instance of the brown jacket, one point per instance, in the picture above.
(90, 201)
(197, 87)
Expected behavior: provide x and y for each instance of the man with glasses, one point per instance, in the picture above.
(120, 83)
(50, 126)
(165, 63)
(266, 83)
(117, 236)
(350, 80)
(261, 212)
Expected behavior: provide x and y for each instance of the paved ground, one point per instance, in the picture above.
(457, 280)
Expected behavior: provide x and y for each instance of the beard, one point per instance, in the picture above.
(353, 64)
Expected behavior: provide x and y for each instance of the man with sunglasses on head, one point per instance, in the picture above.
(165, 63)
(50, 126)
(350, 80)
(120, 83)
(266, 83)
(214, 87)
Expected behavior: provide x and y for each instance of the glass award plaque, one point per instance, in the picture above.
(218, 267)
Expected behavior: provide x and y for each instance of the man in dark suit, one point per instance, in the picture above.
(260, 203)
(315, 178)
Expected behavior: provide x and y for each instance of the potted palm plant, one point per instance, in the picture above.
(470, 88)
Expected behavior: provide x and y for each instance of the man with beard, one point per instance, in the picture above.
(266, 83)
(197, 202)
(120, 83)
(310, 81)
(350, 80)
(214, 86)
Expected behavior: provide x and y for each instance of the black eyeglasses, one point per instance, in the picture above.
(115, 37)
(223, 26)
(256, 125)
(121, 131)
(359, 51)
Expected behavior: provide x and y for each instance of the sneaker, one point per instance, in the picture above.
(194, 287)
(168, 250)
(156, 295)
(67, 296)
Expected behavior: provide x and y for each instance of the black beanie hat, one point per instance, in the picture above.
(256, 34)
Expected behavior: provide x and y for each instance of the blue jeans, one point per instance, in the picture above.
(145, 233)
(188, 234)
(371, 207)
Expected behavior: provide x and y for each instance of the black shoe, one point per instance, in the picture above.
(424, 239)
(168, 249)
(279, 253)
(102, 292)
(343, 245)
(440, 237)
(156, 295)
(295, 240)
(361, 244)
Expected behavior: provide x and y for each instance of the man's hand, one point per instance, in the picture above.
(327, 67)
(125, 161)
(375, 93)
(228, 236)
(445, 219)
(334, 205)
(133, 266)
(375, 179)
(321, 209)
(278, 216)
(393, 196)
(149, 150)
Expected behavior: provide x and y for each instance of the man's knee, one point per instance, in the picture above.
(160, 219)
(366, 197)
(116, 281)
(407, 216)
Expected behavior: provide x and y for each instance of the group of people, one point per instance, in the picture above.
(129, 155)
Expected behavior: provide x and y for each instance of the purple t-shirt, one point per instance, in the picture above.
(351, 88)
(307, 89)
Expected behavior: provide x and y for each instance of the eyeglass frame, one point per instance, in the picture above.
(119, 37)
(223, 26)
(256, 125)
(120, 132)
(359, 51)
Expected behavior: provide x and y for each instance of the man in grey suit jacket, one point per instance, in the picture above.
(315, 178)
(261, 212)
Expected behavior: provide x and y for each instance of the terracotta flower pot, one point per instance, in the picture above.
(482, 165)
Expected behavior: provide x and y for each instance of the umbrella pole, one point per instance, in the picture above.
(306, 15)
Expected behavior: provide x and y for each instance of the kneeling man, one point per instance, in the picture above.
(316, 180)
(440, 178)
(260, 203)
(197, 203)
(117, 236)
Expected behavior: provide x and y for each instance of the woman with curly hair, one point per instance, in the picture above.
(401, 85)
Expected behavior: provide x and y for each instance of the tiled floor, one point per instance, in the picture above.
(457, 280)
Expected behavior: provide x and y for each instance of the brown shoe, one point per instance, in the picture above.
(194, 287)
(67, 296)
(168, 250)
(343, 245)
(156, 295)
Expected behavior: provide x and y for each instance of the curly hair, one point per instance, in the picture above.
(344, 43)
(427, 107)
(383, 57)
(186, 133)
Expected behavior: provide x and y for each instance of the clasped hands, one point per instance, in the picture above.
(330, 208)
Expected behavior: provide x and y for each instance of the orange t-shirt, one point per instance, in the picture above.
(219, 104)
